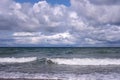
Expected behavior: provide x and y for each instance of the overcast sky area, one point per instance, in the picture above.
(60, 23)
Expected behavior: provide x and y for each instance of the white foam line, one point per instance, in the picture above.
(86, 61)
(17, 60)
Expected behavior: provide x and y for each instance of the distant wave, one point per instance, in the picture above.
(17, 60)
(86, 61)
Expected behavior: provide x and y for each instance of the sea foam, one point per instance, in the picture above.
(86, 61)
(17, 60)
(91, 76)
(63, 61)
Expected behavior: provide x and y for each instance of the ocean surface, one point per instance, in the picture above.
(60, 63)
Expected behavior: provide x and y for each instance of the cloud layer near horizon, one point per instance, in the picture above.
(84, 23)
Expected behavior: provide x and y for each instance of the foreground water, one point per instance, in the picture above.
(60, 63)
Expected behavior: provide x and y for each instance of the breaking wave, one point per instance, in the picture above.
(86, 61)
(17, 60)
(62, 61)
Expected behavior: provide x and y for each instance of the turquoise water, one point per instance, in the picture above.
(62, 63)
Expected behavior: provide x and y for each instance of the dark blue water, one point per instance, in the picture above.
(60, 63)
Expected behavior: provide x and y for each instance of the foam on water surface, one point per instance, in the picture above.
(86, 61)
(92, 76)
(17, 60)
(63, 61)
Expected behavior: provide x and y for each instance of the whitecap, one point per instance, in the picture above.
(17, 60)
(86, 61)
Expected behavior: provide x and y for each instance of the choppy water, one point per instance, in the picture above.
(60, 63)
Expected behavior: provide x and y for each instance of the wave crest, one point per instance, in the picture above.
(62, 61)
(86, 61)
(17, 60)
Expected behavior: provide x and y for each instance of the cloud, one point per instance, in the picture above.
(104, 2)
(102, 14)
(38, 38)
(84, 23)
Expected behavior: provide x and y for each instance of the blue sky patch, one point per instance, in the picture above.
(53, 2)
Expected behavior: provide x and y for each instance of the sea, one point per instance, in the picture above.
(60, 63)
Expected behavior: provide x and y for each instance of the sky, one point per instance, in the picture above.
(53, 2)
(59, 23)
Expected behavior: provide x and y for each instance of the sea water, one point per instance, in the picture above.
(60, 63)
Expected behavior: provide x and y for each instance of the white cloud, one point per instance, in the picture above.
(98, 13)
(38, 38)
(25, 34)
(85, 22)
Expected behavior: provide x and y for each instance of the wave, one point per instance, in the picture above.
(86, 61)
(62, 76)
(62, 61)
(17, 60)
